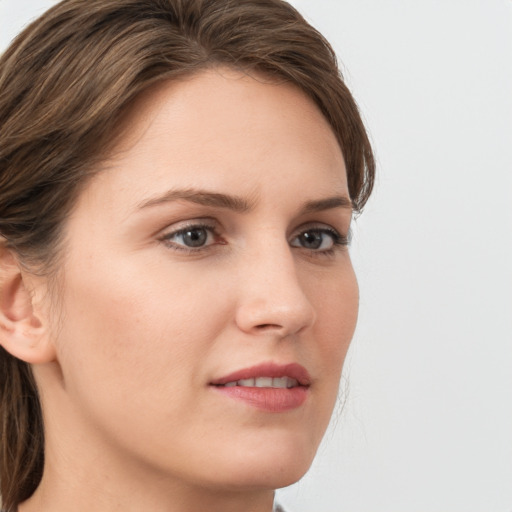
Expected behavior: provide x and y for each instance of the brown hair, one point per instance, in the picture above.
(65, 82)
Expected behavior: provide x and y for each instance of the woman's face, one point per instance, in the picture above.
(210, 251)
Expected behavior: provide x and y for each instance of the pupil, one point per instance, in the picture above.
(312, 240)
(195, 237)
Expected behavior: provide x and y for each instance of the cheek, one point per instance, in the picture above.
(134, 329)
(336, 304)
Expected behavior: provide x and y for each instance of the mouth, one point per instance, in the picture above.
(270, 387)
(263, 382)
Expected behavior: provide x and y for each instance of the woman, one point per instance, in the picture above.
(177, 180)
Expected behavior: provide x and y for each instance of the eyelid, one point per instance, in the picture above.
(176, 229)
(324, 227)
(340, 241)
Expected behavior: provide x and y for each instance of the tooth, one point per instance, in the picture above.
(280, 382)
(291, 383)
(263, 382)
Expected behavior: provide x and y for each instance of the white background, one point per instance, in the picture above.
(427, 420)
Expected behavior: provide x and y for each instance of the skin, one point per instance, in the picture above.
(143, 325)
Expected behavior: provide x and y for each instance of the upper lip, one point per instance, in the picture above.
(292, 370)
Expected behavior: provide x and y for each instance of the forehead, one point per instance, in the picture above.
(226, 131)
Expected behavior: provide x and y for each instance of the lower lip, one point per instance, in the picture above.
(267, 399)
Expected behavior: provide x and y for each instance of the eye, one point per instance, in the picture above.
(319, 239)
(193, 237)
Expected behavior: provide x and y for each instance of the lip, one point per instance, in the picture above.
(272, 400)
(292, 370)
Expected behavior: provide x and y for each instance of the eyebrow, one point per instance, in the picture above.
(328, 204)
(240, 204)
(202, 197)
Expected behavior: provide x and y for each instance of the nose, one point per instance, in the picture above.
(271, 298)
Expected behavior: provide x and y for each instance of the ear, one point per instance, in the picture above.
(23, 330)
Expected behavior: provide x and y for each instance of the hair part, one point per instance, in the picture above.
(65, 83)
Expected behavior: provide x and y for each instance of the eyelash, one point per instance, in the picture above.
(339, 241)
(210, 228)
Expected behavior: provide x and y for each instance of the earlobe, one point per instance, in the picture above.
(23, 333)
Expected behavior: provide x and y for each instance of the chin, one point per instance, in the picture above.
(272, 465)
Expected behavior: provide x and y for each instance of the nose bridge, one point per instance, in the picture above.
(271, 296)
